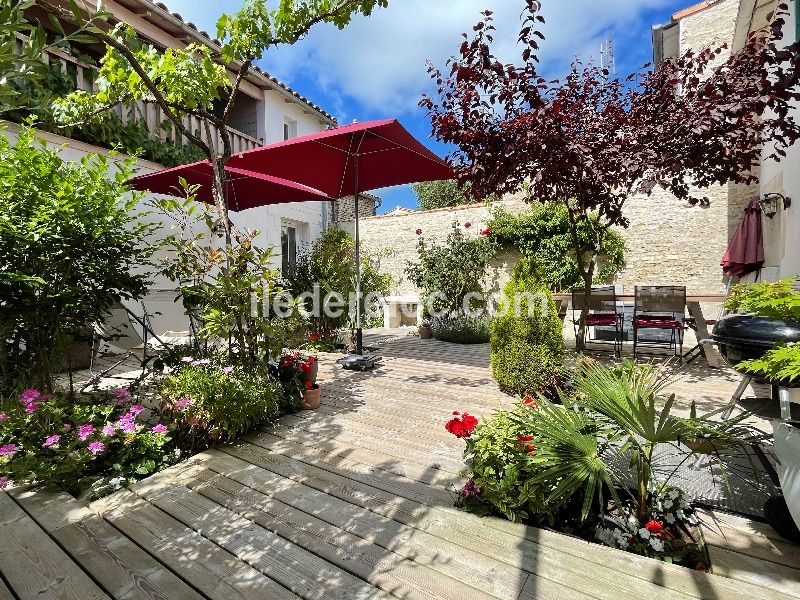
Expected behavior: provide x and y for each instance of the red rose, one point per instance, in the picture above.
(654, 526)
(419, 231)
(486, 231)
(467, 224)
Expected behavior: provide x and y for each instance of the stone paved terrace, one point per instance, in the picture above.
(354, 501)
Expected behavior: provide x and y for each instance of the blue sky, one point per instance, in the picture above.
(375, 68)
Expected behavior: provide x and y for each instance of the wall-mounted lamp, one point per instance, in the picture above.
(769, 204)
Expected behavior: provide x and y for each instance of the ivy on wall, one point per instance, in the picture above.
(542, 234)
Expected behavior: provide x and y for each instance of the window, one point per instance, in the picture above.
(289, 128)
(288, 249)
(796, 20)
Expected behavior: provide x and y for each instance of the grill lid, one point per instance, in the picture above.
(753, 330)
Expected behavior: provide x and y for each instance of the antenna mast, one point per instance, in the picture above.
(607, 60)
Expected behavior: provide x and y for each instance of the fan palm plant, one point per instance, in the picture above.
(616, 411)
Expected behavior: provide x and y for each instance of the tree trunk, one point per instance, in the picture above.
(588, 278)
(221, 202)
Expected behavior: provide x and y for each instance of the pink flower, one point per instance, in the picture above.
(121, 394)
(127, 425)
(160, 428)
(67, 426)
(9, 450)
(136, 409)
(3, 482)
(45, 397)
(183, 401)
(84, 431)
(228, 370)
(109, 429)
(187, 359)
(3, 416)
(96, 447)
(31, 407)
(486, 231)
(29, 395)
(51, 441)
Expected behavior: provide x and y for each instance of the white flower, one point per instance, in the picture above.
(644, 534)
(680, 514)
(633, 522)
(674, 494)
(657, 544)
(670, 518)
(667, 503)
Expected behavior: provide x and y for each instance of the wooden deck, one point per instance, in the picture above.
(353, 501)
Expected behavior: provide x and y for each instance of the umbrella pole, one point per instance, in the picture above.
(359, 338)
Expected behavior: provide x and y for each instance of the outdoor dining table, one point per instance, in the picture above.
(693, 306)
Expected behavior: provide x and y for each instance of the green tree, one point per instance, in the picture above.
(544, 235)
(194, 80)
(439, 194)
(70, 247)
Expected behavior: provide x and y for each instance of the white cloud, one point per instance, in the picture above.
(380, 61)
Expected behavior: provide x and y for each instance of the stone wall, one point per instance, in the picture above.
(345, 209)
(395, 237)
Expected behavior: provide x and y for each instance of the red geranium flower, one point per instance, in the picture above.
(486, 231)
(313, 336)
(654, 526)
(419, 231)
(309, 384)
(528, 401)
(525, 438)
(461, 426)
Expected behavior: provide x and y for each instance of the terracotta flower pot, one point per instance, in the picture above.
(311, 399)
(425, 332)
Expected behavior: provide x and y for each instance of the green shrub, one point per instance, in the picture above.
(502, 476)
(330, 264)
(212, 404)
(66, 440)
(774, 299)
(71, 246)
(527, 345)
(462, 329)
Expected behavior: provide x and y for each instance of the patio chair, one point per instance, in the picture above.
(603, 312)
(660, 307)
(131, 333)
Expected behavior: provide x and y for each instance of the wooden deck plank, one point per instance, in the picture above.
(382, 568)
(296, 568)
(206, 566)
(535, 548)
(751, 541)
(743, 568)
(33, 564)
(477, 570)
(119, 565)
(5, 593)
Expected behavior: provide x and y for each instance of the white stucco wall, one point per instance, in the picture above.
(782, 233)
(309, 218)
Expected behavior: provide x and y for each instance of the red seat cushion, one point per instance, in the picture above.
(656, 323)
(595, 320)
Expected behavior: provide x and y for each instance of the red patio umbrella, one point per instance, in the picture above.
(348, 160)
(745, 254)
(243, 189)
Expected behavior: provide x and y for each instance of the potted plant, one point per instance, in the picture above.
(311, 396)
(425, 332)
